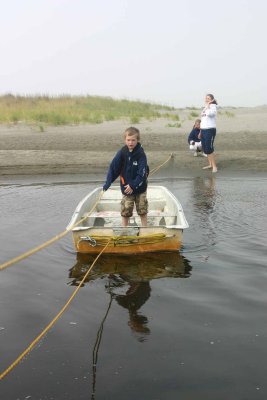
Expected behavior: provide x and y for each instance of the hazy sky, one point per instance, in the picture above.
(171, 51)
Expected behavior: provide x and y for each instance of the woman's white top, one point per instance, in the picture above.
(208, 117)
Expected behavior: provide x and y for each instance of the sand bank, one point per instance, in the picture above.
(240, 145)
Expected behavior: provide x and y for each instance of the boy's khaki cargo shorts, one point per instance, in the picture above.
(127, 204)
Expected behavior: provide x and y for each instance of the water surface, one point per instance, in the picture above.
(191, 325)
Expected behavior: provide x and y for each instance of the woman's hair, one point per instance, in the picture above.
(132, 131)
(197, 121)
(212, 98)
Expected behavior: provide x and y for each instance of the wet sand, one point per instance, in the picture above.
(240, 145)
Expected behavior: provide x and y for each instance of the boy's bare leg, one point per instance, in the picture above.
(143, 220)
(125, 221)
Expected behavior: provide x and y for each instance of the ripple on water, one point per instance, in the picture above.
(206, 303)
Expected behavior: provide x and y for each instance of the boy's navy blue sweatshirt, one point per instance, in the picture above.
(131, 166)
(194, 135)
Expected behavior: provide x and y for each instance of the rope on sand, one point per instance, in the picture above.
(154, 170)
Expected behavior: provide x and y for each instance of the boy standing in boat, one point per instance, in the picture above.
(130, 163)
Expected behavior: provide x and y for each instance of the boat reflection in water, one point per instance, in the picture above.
(137, 268)
(127, 280)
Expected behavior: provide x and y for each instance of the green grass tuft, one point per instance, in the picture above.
(194, 114)
(176, 125)
(135, 119)
(229, 114)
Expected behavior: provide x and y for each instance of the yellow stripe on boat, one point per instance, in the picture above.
(126, 240)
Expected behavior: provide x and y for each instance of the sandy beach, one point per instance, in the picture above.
(240, 145)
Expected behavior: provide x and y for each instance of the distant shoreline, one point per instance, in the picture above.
(240, 145)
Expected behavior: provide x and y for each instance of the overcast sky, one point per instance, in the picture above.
(171, 51)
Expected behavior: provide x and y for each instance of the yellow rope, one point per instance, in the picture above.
(64, 233)
(128, 240)
(50, 241)
(154, 170)
(54, 320)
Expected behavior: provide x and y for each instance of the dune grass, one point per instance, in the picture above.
(66, 110)
(228, 114)
(174, 125)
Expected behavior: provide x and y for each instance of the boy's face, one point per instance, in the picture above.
(131, 142)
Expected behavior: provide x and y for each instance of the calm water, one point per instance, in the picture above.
(185, 326)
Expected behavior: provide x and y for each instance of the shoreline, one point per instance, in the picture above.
(92, 163)
(240, 146)
(166, 173)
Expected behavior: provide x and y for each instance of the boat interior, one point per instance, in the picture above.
(107, 214)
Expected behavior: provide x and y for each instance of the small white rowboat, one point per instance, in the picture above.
(166, 222)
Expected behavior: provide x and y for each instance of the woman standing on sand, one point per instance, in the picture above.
(208, 130)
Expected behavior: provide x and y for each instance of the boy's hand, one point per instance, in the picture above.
(128, 189)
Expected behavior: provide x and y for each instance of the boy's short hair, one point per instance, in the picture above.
(132, 131)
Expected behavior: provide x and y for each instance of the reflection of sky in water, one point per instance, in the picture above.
(202, 337)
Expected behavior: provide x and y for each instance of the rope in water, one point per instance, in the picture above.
(54, 320)
(64, 233)
(50, 241)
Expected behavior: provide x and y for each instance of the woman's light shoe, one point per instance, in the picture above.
(207, 167)
(214, 170)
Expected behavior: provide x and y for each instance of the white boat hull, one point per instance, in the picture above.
(101, 224)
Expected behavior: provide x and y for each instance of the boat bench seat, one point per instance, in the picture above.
(108, 213)
(116, 214)
(113, 218)
(110, 205)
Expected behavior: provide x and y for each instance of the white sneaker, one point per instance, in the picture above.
(214, 170)
(204, 155)
(195, 154)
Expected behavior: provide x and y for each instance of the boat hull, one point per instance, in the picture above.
(170, 240)
(96, 223)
